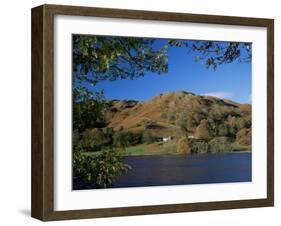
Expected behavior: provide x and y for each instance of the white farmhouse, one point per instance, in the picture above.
(165, 139)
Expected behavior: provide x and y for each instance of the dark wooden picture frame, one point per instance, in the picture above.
(43, 107)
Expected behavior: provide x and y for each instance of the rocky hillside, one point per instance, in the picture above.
(178, 113)
(180, 121)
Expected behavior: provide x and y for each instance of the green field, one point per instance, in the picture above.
(157, 148)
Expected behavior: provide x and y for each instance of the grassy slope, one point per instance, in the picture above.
(160, 148)
(151, 149)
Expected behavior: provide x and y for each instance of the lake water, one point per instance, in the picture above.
(180, 169)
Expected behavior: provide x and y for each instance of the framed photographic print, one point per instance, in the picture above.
(141, 112)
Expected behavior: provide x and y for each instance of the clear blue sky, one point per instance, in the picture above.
(231, 81)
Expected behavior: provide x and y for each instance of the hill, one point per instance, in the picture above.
(205, 122)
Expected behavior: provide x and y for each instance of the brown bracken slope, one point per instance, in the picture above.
(164, 114)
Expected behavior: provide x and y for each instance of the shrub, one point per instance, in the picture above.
(124, 139)
(148, 138)
(232, 130)
(200, 147)
(94, 140)
(220, 144)
(244, 123)
(183, 146)
(132, 138)
(120, 140)
(223, 130)
(88, 109)
(203, 131)
(244, 137)
(212, 125)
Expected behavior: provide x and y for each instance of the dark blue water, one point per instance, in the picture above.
(181, 169)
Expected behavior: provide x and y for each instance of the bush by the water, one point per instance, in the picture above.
(184, 146)
(203, 131)
(220, 144)
(200, 147)
(217, 144)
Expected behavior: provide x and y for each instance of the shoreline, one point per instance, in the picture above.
(128, 153)
(176, 154)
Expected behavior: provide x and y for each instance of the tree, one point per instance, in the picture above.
(97, 58)
(94, 140)
(243, 137)
(147, 137)
(120, 140)
(187, 119)
(184, 146)
(183, 123)
(88, 108)
(203, 131)
(212, 125)
(223, 130)
(200, 147)
(244, 123)
(232, 129)
(100, 170)
(220, 144)
(217, 53)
